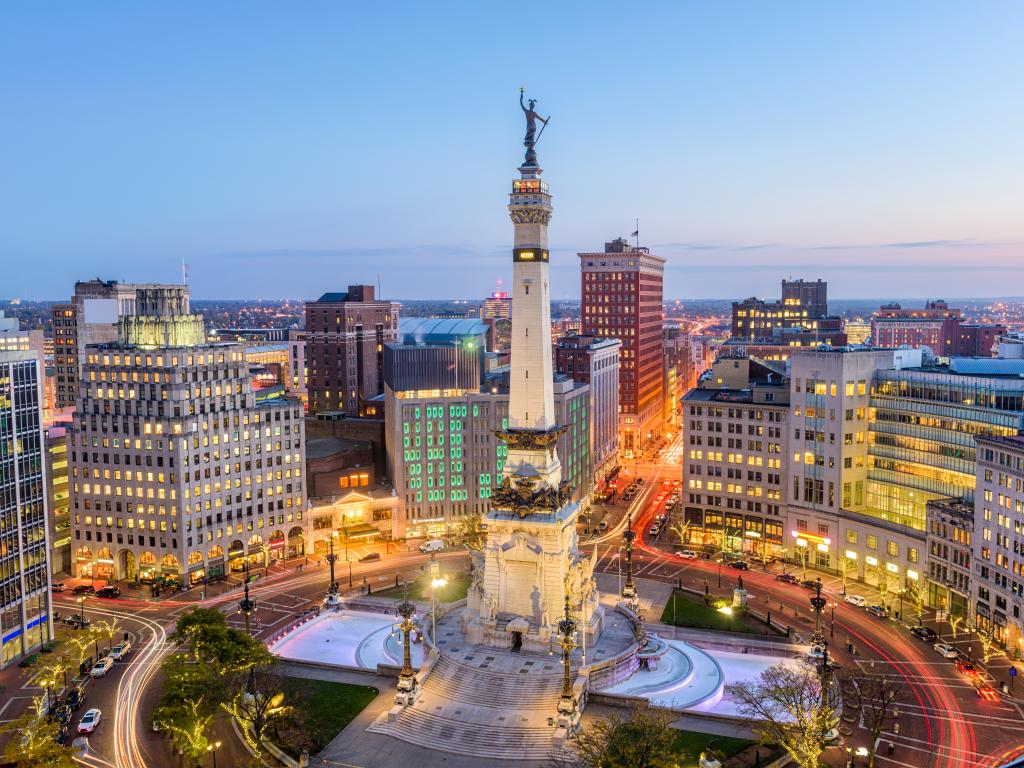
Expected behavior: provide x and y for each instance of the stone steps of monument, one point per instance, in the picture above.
(496, 740)
(452, 681)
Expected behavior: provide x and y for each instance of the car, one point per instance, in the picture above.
(77, 621)
(654, 530)
(966, 668)
(857, 600)
(89, 721)
(687, 554)
(119, 651)
(434, 545)
(57, 586)
(987, 692)
(740, 565)
(789, 578)
(369, 557)
(639, 481)
(946, 650)
(62, 735)
(878, 610)
(75, 697)
(831, 736)
(83, 589)
(925, 634)
(603, 525)
(810, 584)
(101, 667)
(61, 713)
(109, 591)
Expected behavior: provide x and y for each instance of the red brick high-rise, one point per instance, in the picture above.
(345, 337)
(622, 299)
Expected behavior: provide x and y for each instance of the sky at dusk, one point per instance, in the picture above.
(286, 149)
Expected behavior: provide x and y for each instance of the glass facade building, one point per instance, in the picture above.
(24, 552)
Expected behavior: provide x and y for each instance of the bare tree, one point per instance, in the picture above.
(258, 705)
(987, 642)
(641, 739)
(790, 708)
(876, 697)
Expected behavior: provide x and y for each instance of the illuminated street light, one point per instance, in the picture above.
(212, 749)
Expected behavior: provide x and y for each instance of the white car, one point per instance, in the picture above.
(89, 721)
(857, 600)
(118, 652)
(946, 650)
(101, 667)
(687, 554)
(434, 545)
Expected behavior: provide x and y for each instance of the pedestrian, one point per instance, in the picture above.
(892, 749)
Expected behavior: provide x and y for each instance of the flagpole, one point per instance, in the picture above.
(638, 233)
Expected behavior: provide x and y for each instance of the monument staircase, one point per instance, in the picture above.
(472, 709)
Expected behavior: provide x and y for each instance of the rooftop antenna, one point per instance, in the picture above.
(184, 271)
(378, 286)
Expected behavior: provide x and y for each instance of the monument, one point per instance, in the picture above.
(531, 577)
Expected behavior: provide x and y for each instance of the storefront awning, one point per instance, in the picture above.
(362, 531)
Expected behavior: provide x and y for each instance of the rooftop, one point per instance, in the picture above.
(320, 447)
(437, 330)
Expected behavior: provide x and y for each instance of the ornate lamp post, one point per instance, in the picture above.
(407, 677)
(247, 605)
(629, 590)
(212, 749)
(568, 712)
(818, 604)
(332, 598)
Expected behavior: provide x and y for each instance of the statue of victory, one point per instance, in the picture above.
(531, 138)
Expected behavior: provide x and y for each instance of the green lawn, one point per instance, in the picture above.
(684, 612)
(330, 706)
(456, 589)
(692, 744)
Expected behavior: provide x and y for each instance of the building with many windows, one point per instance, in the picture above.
(950, 556)
(25, 615)
(999, 541)
(176, 471)
(595, 362)
(802, 309)
(344, 345)
(622, 299)
(736, 427)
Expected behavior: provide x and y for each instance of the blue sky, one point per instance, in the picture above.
(285, 149)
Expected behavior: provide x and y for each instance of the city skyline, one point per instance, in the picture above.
(295, 149)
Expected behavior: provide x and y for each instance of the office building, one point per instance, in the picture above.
(345, 337)
(736, 424)
(857, 331)
(595, 361)
(800, 314)
(999, 541)
(177, 473)
(91, 317)
(950, 556)
(622, 294)
(934, 326)
(25, 611)
(496, 311)
(58, 508)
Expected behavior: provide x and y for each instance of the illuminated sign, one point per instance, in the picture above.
(912, 575)
(529, 254)
(851, 555)
(811, 536)
(893, 568)
(871, 560)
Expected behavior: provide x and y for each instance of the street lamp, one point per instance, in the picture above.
(832, 629)
(567, 630)
(406, 678)
(817, 603)
(245, 605)
(332, 587)
(436, 581)
(628, 592)
(719, 560)
(212, 749)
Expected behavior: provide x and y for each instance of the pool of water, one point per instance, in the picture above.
(346, 639)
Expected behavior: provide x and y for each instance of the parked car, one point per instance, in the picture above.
(77, 621)
(57, 586)
(925, 634)
(987, 692)
(369, 557)
(687, 554)
(83, 589)
(89, 721)
(75, 697)
(101, 667)
(878, 610)
(118, 652)
(654, 530)
(789, 578)
(809, 584)
(109, 591)
(740, 565)
(946, 650)
(857, 600)
(966, 668)
(434, 545)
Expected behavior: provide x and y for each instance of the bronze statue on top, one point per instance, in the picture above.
(532, 136)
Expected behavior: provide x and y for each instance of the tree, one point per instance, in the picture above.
(987, 642)
(801, 552)
(954, 622)
(882, 576)
(33, 741)
(258, 705)
(876, 697)
(790, 708)
(187, 724)
(209, 639)
(845, 566)
(471, 532)
(682, 532)
(641, 739)
(915, 594)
